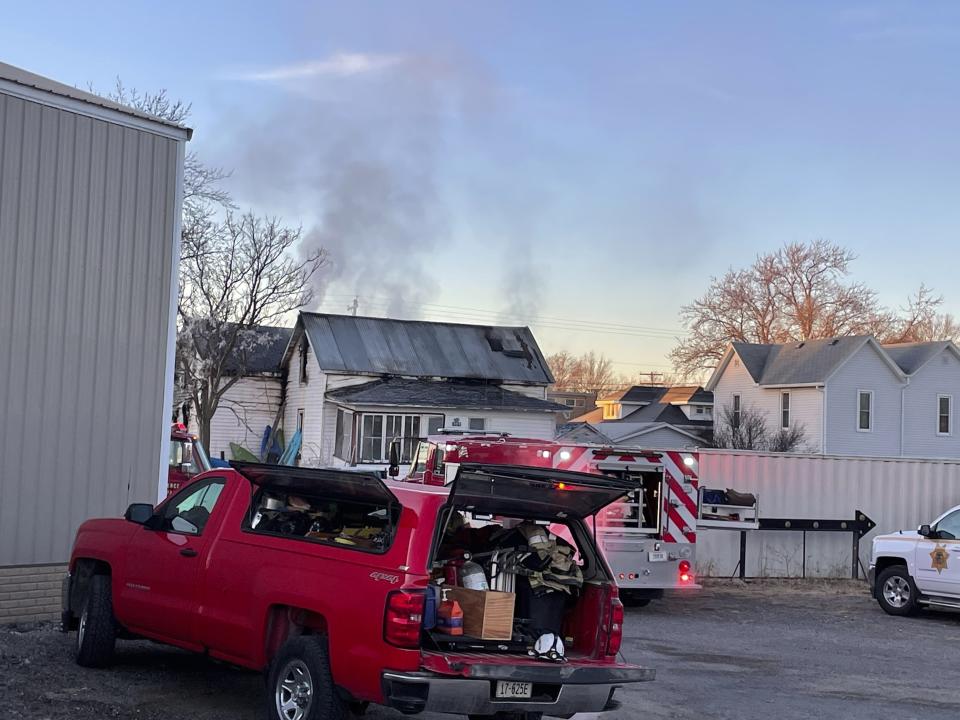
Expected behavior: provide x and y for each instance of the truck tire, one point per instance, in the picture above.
(300, 685)
(896, 591)
(97, 629)
(634, 599)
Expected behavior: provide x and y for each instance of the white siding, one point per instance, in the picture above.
(521, 424)
(88, 213)
(308, 397)
(806, 403)
(866, 370)
(940, 376)
(244, 411)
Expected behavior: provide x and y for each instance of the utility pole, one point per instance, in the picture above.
(352, 307)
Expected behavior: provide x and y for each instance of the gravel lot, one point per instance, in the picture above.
(766, 650)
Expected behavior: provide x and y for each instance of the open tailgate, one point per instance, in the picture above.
(535, 493)
(366, 487)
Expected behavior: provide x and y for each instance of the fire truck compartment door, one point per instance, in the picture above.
(336, 484)
(535, 493)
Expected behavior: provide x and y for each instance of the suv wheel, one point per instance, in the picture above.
(896, 591)
(97, 630)
(300, 684)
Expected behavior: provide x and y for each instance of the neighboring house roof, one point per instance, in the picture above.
(582, 433)
(632, 431)
(417, 348)
(28, 79)
(808, 362)
(663, 413)
(261, 347)
(910, 357)
(687, 395)
(266, 350)
(406, 392)
(595, 415)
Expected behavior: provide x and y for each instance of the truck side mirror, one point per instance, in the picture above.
(394, 469)
(139, 513)
(925, 531)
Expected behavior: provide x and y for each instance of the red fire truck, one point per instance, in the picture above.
(649, 538)
(187, 457)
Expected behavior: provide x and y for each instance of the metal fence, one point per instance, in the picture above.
(897, 493)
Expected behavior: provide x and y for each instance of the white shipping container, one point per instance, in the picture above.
(896, 493)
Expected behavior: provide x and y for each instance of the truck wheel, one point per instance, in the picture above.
(896, 591)
(633, 599)
(97, 630)
(300, 685)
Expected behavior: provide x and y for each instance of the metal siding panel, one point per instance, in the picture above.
(86, 218)
(323, 342)
(43, 368)
(403, 353)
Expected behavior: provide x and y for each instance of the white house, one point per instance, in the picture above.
(252, 402)
(851, 395)
(649, 416)
(353, 384)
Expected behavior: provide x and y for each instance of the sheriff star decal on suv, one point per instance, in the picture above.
(938, 556)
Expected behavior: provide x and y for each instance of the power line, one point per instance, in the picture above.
(479, 315)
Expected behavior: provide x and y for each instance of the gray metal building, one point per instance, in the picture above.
(90, 196)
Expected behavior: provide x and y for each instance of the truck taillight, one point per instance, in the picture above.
(684, 568)
(615, 625)
(404, 618)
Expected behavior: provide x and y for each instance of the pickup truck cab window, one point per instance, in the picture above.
(189, 511)
(949, 527)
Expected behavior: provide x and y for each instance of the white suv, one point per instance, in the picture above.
(909, 569)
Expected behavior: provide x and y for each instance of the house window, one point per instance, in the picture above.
(343, 443)
(735, 416)
(300, 420)
(699, 410)
(864, 410)
(434, 424)
(477, 424)
(944, 414)
(611, 411)
(785, 410)
(303, 361)
(578, 402)
(570, 402)
(378, 431)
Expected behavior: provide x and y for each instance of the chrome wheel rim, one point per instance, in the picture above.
(896, 591)
(294, 692)
(82, 628)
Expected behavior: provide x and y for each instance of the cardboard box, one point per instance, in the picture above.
(487, 614)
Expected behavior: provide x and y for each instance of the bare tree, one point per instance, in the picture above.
(243, 276)
(748, 430)
(799, 292)
(588, 372)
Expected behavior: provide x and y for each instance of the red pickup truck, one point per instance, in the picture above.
(321, 578)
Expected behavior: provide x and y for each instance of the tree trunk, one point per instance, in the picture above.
(203, 423)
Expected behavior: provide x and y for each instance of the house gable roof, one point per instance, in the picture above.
(910, 357)
(417, 393)
(417, 348)
(635, 430)
(809, 362)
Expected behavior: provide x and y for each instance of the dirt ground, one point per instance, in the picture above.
(784, 650)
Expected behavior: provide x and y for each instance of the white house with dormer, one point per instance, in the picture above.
(851, 395)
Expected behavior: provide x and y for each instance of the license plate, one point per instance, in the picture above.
(517, 690)
(658, 556)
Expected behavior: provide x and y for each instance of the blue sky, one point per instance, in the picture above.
(550, 160)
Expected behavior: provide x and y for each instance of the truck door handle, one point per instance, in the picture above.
(188, 552)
